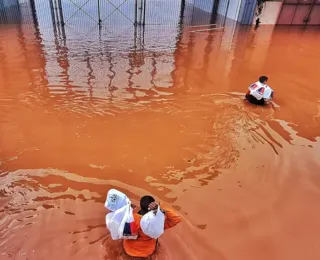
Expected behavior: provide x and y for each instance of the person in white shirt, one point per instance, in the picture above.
(260, 93)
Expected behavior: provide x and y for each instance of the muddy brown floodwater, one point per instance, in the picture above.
(80, 117)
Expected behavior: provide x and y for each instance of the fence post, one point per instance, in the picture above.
(135, 12)
(144, 12)
(99, 14)
(55, 3)
(34, 13)
(140, 9)
(52, 12)
(61, 13)
(182, 8)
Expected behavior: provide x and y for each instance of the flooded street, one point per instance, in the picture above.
(161, 113)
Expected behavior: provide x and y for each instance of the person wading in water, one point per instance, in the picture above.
(260, 93)
(144, 246)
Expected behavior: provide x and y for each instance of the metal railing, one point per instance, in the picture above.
(99, 11)
(108, 13)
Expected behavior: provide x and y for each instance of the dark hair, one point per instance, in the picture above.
(263, 79)
(144, 203)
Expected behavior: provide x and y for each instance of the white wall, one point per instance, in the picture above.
(270, 13)
(233, 9)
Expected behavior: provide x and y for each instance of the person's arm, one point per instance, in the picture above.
(172, 218)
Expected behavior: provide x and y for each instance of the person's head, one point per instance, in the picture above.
(263, 79)
(145, 202)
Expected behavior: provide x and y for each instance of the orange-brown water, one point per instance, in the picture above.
(77, 120)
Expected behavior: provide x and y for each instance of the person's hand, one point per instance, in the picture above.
(153, 206)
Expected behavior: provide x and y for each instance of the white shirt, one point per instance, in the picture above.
(260, 90)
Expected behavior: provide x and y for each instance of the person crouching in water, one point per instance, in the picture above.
(260, 93)
(145, 246)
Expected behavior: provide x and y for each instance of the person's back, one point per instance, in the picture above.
(259, 93)
(144, 245)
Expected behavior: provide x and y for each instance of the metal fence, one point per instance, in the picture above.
(80, 14)
(85, 15)
(109, 19)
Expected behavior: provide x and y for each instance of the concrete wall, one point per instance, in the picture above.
(198, 12)
(238, 10)
(234, 9)
(231, 8)
(270, 13)
(247, 11)
(205, 5)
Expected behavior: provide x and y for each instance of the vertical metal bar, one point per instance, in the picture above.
(61, 13)
(135, 38)
(63, 34)
(140, 45)
(182, 9)
(100, 32)
(90, 75)
(309, 13)
(136, 12)
(143, 33)
(111, 88)
(52, 12)
(34, 13)
(99, 14)
(61, 19)
(144, 12)
(140, 8)
(56, 12)
(58, 19)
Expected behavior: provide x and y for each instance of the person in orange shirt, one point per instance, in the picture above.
(145, 246)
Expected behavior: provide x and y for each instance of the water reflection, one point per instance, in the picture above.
(87, 79)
